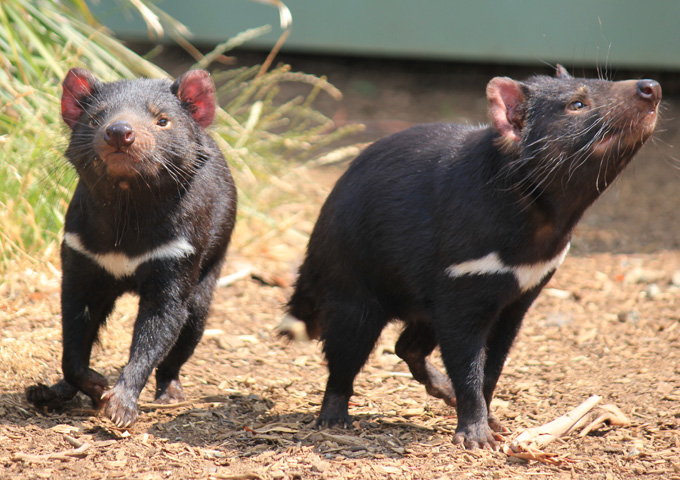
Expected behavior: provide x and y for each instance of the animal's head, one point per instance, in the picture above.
(551, 123)
(140, 130)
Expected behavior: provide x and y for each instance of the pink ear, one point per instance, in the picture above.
(505, 98)
(77, 85)
(561, 72)
(196, 89)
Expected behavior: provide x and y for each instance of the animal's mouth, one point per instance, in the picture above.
(631, 123)
(120, 163)
(629, 138)
(651, 116)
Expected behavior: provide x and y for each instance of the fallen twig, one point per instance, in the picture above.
(229, 279)
(528, 445)
(610, 414)
(64, 455)
(344, 439)
(240, 476)
(538, 437)
(165, 406)
(73, 441)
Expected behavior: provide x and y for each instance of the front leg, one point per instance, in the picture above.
(463, 319)
(168, 386)
(466, 358)
(87, 298)
(162, 315)
(500, 340)
(80, 325)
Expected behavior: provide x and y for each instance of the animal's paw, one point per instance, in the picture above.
(496, 425)
(52, 398)
(41, 395)
(120, 406)
(476, 435)
(343, 421)
(334, 412)
(169, 393)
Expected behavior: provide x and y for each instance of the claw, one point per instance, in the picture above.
(333, 422)
(475, 435)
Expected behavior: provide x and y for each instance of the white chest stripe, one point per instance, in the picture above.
(528, 276)
(120, 265)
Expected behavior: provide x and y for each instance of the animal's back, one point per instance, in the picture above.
(380, 224)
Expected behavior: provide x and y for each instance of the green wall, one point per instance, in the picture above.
(607, 33)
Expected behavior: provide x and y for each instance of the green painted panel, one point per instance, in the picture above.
(613, 33)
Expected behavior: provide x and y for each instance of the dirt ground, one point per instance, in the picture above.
(608, 325)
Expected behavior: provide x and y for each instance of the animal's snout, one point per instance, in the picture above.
(119, 134)
(649, 90)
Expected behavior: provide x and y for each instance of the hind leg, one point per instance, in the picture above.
(50, 397)
(415, 343)
(349, 336)
(168, 386)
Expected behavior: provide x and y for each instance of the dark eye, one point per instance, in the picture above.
(93, 122)
(163, 122)
(577, 105)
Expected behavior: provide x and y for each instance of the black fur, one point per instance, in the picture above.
(417, 202)
(171, 182)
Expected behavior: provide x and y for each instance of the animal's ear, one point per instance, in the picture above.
(77, 85)
(561, 72)
(196, 91)
(506, 107)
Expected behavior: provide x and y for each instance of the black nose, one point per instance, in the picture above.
(649, 90)
(119, 134)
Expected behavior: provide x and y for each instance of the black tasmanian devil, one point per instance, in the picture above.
(152, 213)
(455, 230)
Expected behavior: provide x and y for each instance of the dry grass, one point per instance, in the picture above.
(253, 398)
(609, 326)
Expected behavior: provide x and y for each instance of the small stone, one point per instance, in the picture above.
(653, 291)
(643, 275)
(629, 317)
(558, 319)
(557, 293)
(675, 279)
(498, 403)
(320, 466)
(276, 474)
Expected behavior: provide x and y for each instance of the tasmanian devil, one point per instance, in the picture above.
(152, 213)
(455, 229)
